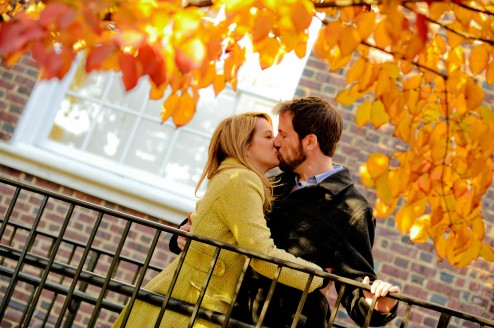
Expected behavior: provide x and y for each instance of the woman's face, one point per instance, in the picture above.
(262, 150)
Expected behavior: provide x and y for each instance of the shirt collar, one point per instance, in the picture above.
(316, 179)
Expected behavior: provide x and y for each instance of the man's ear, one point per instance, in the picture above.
(310, 142)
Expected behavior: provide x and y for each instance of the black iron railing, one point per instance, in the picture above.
(60, 266)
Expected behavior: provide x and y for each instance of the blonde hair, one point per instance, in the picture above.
(231, 138)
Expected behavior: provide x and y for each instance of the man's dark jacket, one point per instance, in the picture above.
(330, 224)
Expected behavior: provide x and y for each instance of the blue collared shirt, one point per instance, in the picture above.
(315, 179)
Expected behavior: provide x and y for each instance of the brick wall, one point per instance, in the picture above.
(414, 267)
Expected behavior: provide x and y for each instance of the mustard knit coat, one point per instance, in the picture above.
(230, 211)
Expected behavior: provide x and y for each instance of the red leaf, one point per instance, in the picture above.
(59, 14)
(97, 55)
(129, 70)
(152, 63)
(421, 25)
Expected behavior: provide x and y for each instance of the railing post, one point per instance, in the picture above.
(443, 320)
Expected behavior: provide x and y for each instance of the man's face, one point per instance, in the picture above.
(287, 142)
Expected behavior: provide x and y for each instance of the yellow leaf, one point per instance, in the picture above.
(333, 32)
(382, 188)
(418, 231)
(185, 111)
(365, 177)
(404, 219)
(392, 69)
(406, 66)
(489, 73)
(478, 227)
(365, 24)
(440, 44)
(439, 152)
(437, 9)
(487, 252)
(157, 92)
(474, 96)
(356, 70)
(382, 85)
(378, 114)
(412, 83)
(349, 40)
(169, 106)
(363, 114)
(345, 98)
(454, 39)
(382, 210)
(365, 76)
(479, 57)
(301, 14)
(262, 26)
(440, 245)
(404, 129)
(377, 164)
(381, 35)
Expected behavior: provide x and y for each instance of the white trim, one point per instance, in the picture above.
(129, 193)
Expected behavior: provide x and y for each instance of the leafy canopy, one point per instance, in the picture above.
(416, 68)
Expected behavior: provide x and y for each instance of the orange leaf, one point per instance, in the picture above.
(474, 96)
(383, 189)
(404, 129)
(185, 110)
(219, 84)
(377, 164)
(378, 114)
(412, 83)
(489, 73)
(366, 24)
(382, 85)
(190, 55)
(382, 210)
(169, 106)
(381, 35)
(349, 41)
(363, 114)
(479, 57)
(261, 28)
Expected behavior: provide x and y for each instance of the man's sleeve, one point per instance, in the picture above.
(356, 262)
(173, 244)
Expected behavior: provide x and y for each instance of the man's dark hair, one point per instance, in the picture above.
(314, 115)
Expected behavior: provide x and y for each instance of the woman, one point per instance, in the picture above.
(232, 210)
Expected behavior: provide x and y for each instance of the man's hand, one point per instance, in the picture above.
(186, 227)
(325, 291)
(381, 289)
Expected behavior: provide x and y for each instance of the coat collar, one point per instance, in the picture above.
(334, 184)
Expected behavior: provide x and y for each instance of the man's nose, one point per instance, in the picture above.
(276, 142)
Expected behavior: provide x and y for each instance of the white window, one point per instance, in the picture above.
(86, 133)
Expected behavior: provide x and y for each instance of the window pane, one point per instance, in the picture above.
(73, 121)
(134, 99)
(187, 160)
(89, 85)
(149, 147)
(211, 110)
(110, 133)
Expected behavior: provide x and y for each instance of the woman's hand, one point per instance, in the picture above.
(381, 289)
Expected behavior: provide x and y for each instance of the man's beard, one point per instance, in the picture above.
(292, 164)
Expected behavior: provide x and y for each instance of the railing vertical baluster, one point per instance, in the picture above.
(302, 302)
(51, 259)
(269, 297)
(336, 305)
(138, 284)
(9, 211)
(50, 307)
(172, 283)
(102, 294)
(11, 239)
(237, 289)
(404, 320)
(20, 264)
(443, 320)
(371, 310)
(68, 298)
(204, 287)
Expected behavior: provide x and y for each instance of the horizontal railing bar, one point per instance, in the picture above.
(123, 289)
(98, 250)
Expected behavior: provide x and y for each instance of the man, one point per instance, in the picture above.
(320, 216)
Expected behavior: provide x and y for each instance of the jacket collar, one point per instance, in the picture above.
(334, 184)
